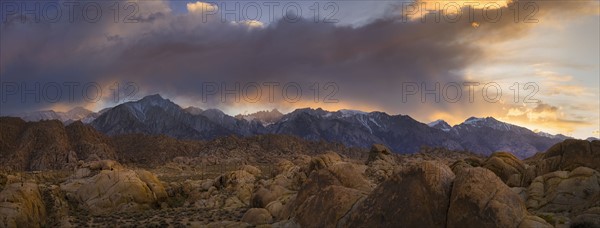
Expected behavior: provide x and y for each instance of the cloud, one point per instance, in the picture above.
(176, 54)
(540, 113)
(547, 116)
(201, 7)
(250, 23)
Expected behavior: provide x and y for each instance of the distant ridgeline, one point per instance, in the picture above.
(154, 115)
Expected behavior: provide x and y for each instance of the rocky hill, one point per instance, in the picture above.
(33, 145)
(49, 145)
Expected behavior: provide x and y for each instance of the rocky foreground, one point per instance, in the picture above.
(434, 188)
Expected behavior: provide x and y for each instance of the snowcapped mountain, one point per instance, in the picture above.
(77, 113)
(548, 135)
(155, 115)
(474, 122)
(440, 124)
(488, 135)
(265, 117)
(401, 133)
(241, 127)
(348, 112)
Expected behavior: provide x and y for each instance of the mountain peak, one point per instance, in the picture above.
(155, 100)
(306, 110)
(193, 110)
(265, 117)
(153, 97)
(436, 122)
(489, 121)
(474, 120)
(213, 111)
(350, 112)
(440, 124)
(548, 135)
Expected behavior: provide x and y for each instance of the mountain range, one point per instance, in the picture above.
(154, 115)
(77, 113)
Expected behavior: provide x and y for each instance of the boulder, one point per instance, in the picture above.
(589, 218)
(341, 174)
(480, 199)
(534, 222)
(206, 184)
(328, 194)
(293, 178)
(564, 191)
(228, 224)
(275, 208)
(381, 163)
(568, 155)
(102, 165)
(379, 152)
(521, 191)
(286, 224)
(252, 170)
(460, 165)
(283, 166)
(239, 182)
(116, 190)
(152, 182)
(506, 166)
(324, 160)
(327, 207)
(257, 216)
(263, 196)
(21, 205)
(415, 196)
(351, 176)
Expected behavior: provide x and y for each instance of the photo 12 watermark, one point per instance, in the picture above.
(255, 92)
(130, 12)
(224, 92)
(264, 11)
(454, 92)
(458, 11)
(57, 92)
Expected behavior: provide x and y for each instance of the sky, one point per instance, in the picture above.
(534, 64)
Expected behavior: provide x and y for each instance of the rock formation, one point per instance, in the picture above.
(21, 205)
(109, 189)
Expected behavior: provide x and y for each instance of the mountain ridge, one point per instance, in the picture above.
(155, 115)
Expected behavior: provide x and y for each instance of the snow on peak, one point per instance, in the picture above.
(487, 122)
(349, 112)
(440, 124)
(473, 120)
(435, 123)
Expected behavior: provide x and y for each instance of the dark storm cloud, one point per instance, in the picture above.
(176, 54)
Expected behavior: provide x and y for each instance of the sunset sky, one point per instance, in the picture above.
(366, 56)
